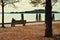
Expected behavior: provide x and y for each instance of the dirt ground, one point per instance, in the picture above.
(28, 32)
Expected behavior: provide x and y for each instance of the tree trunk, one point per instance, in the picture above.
(37, 17)
(48, 19)
(2, 13)
(22, 16)
(53, 17)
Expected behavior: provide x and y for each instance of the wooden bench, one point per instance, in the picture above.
(17, 22)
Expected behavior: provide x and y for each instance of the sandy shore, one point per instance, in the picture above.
(28, 32)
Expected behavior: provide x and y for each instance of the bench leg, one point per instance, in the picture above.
(23, 24)
(12, 25)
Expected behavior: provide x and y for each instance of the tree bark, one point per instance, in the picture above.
(48, 19)
(22, 16)
(37, 17)
(53, 17)
(2, 13)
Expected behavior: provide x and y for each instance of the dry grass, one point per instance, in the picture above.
(29, 32)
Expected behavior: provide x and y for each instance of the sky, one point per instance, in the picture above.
(24, 5)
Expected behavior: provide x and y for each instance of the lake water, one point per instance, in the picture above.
(29, 17)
